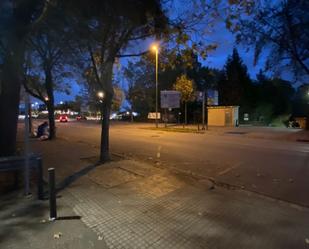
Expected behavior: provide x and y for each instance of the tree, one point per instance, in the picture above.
(45, 70)
(236, 88)
(280, 30)
(274, 98)
(117, 98)
(141, 87)
(186, 87)
(17, 19)
(106, 28)
(301, 103)
(108, 31)
(140, 77)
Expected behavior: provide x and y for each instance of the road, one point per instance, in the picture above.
(275, 168)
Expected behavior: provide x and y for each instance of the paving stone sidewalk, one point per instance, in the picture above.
(130, 204)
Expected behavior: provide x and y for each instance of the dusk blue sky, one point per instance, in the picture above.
(224, 39)
(215, 59)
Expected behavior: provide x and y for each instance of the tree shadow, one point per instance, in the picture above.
(72, 178)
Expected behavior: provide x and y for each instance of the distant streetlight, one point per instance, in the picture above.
(155, 48)
(100, 95)
(46, 98)
(61, 102)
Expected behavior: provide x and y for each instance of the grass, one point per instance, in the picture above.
(174, 129)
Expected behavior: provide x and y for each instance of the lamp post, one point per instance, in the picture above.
(155, 48)
(307, 119)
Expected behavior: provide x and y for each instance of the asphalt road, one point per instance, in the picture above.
(274, 168)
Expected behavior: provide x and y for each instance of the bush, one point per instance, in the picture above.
(281, 121)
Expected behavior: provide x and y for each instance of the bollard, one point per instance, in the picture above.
(52, 194)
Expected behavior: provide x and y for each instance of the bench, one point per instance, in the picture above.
(17, 163)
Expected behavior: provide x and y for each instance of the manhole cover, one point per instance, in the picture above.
(236, 132)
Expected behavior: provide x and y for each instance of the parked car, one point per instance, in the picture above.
(81, 117)
(63, 118)
(294, 124)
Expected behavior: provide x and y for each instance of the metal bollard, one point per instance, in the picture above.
(52, 194)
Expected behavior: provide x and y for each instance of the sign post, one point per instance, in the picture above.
(203, 112)
(169, 100)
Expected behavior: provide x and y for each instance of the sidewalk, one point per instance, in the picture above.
(132, 204)
(260, 132)
(24, 224)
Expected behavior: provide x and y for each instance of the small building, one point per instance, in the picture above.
(223, 115)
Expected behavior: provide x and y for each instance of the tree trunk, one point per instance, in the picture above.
(51, 121)
(186, 121)
(50, 103)
(105, 109)
(10, 84)
(107, 86)
(132, 118)
(30, 118)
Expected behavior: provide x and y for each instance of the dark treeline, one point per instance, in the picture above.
(265, 100)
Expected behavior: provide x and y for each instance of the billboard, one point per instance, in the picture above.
(170, 99)
(199, 96)
(152, 115)
(212, 97)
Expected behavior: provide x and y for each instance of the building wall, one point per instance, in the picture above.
(235, 116)
(217, 116)
(301, 121)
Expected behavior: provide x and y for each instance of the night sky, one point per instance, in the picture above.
(216, 59)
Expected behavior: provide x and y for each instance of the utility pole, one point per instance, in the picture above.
(203, 111)
(156, 50)
(27, 149)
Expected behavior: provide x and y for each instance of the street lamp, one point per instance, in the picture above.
(155, 48)
(100, 95)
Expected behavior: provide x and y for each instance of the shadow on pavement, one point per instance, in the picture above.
(72, 178)
(19, 214)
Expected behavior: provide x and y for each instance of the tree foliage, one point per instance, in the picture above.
(235, 88)
(280, 30)
(141, 86)
(186, 87)
(275, 94)
(17, 20)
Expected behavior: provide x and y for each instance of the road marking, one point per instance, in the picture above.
(228, 169)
